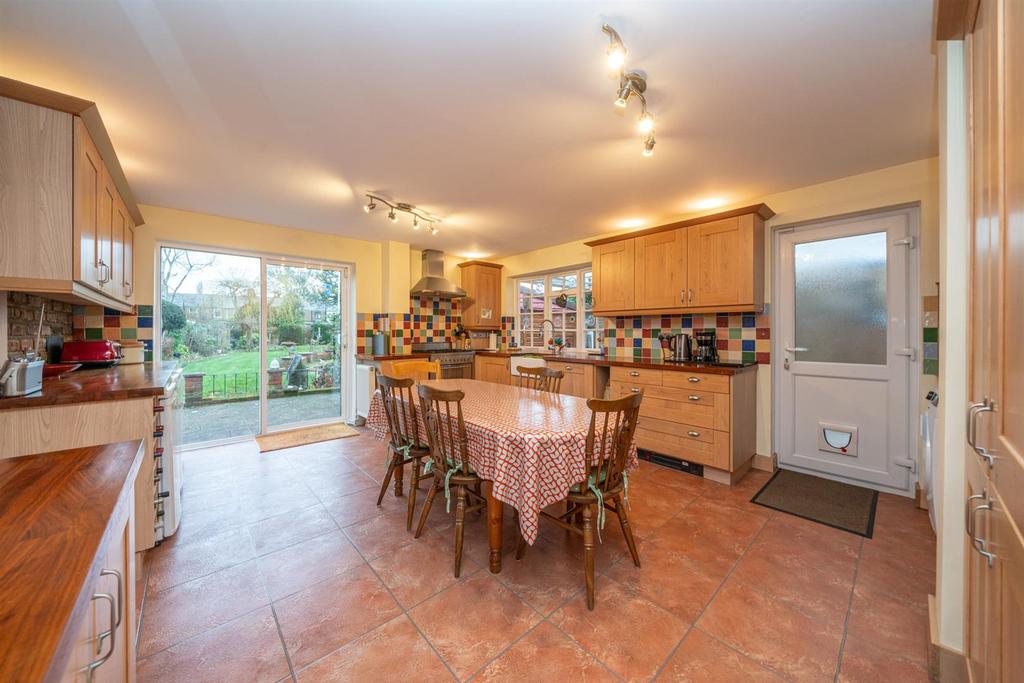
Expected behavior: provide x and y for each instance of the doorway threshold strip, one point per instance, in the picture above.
(832, 503)
(303, 436)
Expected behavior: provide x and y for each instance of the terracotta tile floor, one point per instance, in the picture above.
(285, 569)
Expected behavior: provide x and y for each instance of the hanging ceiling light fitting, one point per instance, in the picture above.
(631, 84)
(418, 215)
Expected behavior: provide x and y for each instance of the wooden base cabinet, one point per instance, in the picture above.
(104, 649)
(698, 417)
(579, 379)
(492, 369)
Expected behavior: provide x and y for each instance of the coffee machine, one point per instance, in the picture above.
(706, 350)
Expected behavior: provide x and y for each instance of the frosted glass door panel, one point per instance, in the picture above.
(840, 300)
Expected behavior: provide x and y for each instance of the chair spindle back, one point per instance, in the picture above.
(609, 438)
(446, 430)
(400, 408)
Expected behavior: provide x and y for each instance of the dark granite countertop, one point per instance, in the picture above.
(101, 384)
(626, 361)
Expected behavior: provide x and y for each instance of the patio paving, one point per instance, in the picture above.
(217, 421)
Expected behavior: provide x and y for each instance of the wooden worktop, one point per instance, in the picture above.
(102, 384)
(370, 358)
(628, 362)
(55, 513)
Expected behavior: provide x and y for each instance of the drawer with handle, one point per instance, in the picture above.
(674, 405)
(636, 375)
(695, 444)
(718, 384)
(567, 368)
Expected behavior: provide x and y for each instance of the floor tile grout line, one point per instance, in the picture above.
(714, 595)
(205, 631)
(849, 612)
(280, 631)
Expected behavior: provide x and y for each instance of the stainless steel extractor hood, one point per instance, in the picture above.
(433, 282)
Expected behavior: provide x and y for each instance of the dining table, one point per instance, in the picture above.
(529, 446)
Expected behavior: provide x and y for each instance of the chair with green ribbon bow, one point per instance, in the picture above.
(605, 485)
(446, 434)
(405, 445)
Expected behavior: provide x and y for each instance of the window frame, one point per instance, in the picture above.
(581, 330)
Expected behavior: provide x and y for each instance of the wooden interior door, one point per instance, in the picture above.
(612, 269)
(660, 270)
(88, 181)
(721, 256)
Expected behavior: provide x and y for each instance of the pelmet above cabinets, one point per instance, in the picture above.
(702, 265)
(67, 224)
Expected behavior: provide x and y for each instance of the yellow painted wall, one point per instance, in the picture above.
(917, 181)
(174, 225)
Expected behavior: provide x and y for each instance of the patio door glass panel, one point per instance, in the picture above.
(210, 323)
(304, 331)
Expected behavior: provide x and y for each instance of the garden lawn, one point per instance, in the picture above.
(225, 373)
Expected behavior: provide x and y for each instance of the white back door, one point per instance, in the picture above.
(846, 353)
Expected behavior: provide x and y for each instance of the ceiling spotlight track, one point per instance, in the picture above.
(419, 216)
(631, 84)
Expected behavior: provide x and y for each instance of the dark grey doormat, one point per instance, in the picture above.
(832, 503)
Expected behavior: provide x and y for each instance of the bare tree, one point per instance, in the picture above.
(175, 267)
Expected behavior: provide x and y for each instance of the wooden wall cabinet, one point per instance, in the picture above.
(702, 265)
(612, 266)
(492, 369)
(481, 308)
(68, 218)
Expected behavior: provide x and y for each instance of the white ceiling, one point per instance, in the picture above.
(497, 116)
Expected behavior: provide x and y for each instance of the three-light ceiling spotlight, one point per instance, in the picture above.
(631, 84)
(419, 216)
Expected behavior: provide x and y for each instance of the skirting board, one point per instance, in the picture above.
(765, 463)
(944, 665)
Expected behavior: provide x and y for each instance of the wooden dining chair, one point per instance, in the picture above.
(453, 475)
(415, 368)
(603, 488)
(540, 378)
(405, 444)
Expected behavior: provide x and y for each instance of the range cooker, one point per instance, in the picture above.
(455, 363)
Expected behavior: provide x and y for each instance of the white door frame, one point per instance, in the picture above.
(348, 319)
(913, 212)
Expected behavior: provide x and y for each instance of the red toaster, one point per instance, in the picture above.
(95, 352)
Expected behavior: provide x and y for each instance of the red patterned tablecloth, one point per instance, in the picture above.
(530, 444)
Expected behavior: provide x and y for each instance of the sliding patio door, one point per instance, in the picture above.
(262, 341)
(303, 359)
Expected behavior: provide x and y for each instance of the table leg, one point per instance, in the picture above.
(495, 509)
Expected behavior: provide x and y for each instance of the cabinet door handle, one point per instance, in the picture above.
(105, 277)
(635, 390)
(682, 296)
(634, 373)
(120, 592)
(691, 296)
(976, 409)
(693, 379)
(980, 544)
(693, 397)
(97, 663)
(969, 516)
(693, 433)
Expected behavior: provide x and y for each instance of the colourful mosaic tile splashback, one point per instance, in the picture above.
(97, 322)
(428, 320)
(741, 337)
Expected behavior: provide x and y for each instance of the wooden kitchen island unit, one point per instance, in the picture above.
(67, 570)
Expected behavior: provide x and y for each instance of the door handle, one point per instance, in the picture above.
(682, 296)
(795, 349)
(908, 351)
(976, 409)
